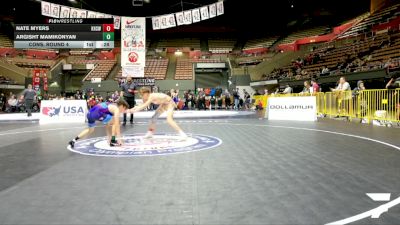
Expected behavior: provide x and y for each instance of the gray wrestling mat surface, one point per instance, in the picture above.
(262, 172)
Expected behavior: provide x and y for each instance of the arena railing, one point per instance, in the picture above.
(380, 105)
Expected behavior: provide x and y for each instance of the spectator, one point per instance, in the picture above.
(12, 103)
(155, 89)
(3, 101)
(219, 101)
(361, 111)
(236, 98)
(306, 89)
(115, 96)
(258, 104)
(343, 95)
(368, 58)
(213, 102)
(304, 73)
(342, 86)
(288, 90)
(186, 99)
(246, 99)
(77, 95)
(324, 70)
(241, 103)
(394, 83)
(227, 99)
(387, 64)
(201, 99)
(191, 99)
(360, 87)
(29, 95)
(174, 95)
(314, 87)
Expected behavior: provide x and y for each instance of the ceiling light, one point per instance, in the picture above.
(73, 1)
(178, 52)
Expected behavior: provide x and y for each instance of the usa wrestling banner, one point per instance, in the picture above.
(159, 22)
(133, 42)
(133, 71)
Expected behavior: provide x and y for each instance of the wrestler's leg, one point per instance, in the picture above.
(153, 121)
(172, 123)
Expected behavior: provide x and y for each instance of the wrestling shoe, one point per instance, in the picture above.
(148, 135)
(114, 144)
(182, 136)
(71, 143)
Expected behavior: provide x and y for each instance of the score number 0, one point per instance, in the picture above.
(108, 34)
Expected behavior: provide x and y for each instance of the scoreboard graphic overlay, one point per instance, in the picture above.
(65, 33)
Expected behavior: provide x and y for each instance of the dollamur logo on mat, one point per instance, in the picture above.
(136, 145)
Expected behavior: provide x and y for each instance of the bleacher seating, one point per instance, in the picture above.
(221, 46)
(365, 25)
(205, 60)
(6, 80)
(193, 43)
(251, 59)
(32, 65)
(5, 41)
(7, 52)
(332, 58)
(259, 43)
(29, 64)
(83, 51)
(387, 52)
(371, 53)
(304, 33)
(184, 69)
(101, 70)
(155, 68)
(148, 43)
(83, 61)
(40, 53)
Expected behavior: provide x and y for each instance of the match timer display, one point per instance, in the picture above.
(66, 33)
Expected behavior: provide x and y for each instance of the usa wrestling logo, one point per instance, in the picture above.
(136, 145)
(51, 111)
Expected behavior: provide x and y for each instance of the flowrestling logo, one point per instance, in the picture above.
(136, 145)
